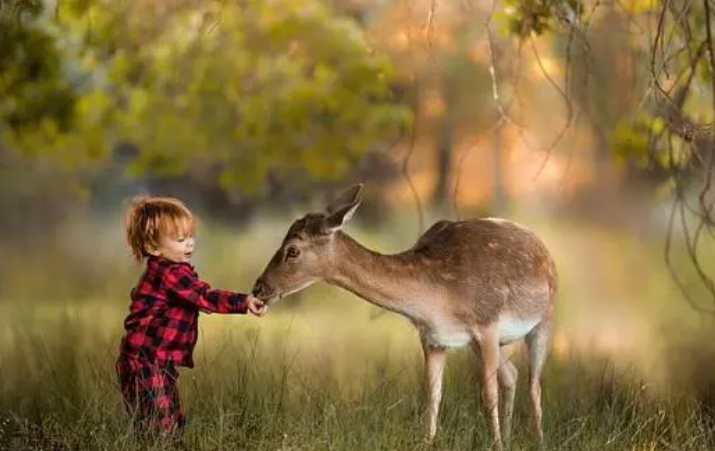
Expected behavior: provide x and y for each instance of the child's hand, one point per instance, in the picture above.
(255, 305)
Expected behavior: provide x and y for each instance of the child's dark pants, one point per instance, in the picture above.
(151, 396)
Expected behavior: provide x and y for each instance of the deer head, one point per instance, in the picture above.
(307, 252)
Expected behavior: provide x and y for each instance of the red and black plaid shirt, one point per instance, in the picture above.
(162, 326)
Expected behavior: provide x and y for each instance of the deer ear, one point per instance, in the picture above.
(343, 208)
(349, 198)
(338, 218)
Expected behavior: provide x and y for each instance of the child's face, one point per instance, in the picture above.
(177, 248)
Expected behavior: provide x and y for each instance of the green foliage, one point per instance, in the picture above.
(644, 138)
(637, 142)
(522, 18)
(49, 108)
(632, 138)
(270, 86)
(246, 88)
(33, 95)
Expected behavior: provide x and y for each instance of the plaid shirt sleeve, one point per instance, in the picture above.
(185, 284)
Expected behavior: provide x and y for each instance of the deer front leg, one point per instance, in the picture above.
(486, 345)
(435, 358)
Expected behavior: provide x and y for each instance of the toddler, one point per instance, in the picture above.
(162, 325)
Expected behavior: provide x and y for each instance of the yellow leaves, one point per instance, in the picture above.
(323, 74)
(232, 93)
(636, 142)
(89, 61)
(264, 17)
(657, 125)
(93, 107)
(632, 138)
(70, 151)
(630, 143)
(138, 100)
(48, 128)
(321, 167)
(34, 141)
(503, 19)
(93, 112)
(640, 6)
(119, 66)
(161, 52)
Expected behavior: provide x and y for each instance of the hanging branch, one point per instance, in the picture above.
(697, 143)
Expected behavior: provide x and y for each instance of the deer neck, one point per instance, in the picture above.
(384, 280)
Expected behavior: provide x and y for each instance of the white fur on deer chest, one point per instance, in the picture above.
(447, 333)
(438, 329)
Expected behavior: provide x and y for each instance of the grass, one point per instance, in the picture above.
(281, 387)
(323, 372)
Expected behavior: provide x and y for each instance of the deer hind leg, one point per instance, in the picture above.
(486, 345)
(537, 342)
(508, 376)
(435, 358)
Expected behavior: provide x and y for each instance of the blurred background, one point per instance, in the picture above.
(588, 121)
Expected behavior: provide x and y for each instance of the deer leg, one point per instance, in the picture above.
(435, 358)
(537, 342)
(487, 347)
(508, 376)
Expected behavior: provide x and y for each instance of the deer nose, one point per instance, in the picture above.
(259, 287)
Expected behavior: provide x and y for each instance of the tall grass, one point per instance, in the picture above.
(323, 371)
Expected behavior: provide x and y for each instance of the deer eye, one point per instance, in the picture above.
(292, 252)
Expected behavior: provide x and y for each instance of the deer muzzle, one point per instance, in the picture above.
(262, 290)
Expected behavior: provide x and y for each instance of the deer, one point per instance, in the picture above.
(482, 282)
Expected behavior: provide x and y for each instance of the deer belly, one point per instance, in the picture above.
(447, 334)
(511, 328)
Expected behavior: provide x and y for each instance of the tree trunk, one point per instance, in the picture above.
(445, 148)
(498, 200)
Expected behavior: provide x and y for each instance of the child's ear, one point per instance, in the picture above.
(151, 250)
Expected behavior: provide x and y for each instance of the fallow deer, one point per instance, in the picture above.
(482, 282)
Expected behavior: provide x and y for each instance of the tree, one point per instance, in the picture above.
(245, 88)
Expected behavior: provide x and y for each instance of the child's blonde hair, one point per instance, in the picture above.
(151, 218)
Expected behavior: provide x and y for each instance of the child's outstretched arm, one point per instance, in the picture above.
(186, 285)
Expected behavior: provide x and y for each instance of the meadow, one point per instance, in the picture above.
(631, 366)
